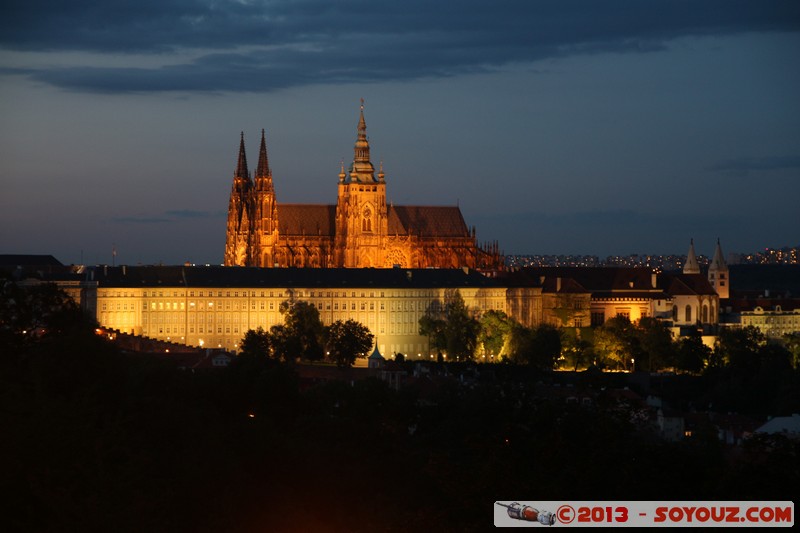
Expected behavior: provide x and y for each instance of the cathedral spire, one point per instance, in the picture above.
(362, 169)
(241, 166)
(262, 170)
(691, 266)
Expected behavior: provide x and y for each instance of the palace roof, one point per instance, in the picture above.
(610, 282)
(255, 277)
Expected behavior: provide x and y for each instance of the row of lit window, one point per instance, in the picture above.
(394, 329)
(301, 293)
(117, 306)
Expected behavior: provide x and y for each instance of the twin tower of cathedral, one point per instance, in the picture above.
(360, 231)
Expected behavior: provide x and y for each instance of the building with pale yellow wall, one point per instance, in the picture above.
(582, 296)
(215, 306)
(774, 322)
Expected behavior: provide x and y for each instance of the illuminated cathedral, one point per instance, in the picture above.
(360, 231)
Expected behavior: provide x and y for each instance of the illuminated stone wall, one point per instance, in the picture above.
(220, 316)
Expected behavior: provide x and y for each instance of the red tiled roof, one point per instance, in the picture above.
(686, 284)
(767, 304)
(427, 221)
(567, 285)
(597, 279)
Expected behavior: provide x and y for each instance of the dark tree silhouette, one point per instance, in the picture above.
(451, 327)
(346, 341)
(539, 347)
(256, 343)
(302, 333)
(691, 354)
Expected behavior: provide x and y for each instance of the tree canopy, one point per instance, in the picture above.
(495, 327)
(303, 333)
(539, 347)
(451, 327)
(256, 343)
(346, 341)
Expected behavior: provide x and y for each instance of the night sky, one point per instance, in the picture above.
(569, 126)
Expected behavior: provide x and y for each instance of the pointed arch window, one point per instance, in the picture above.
(366, 221)
(688, 313)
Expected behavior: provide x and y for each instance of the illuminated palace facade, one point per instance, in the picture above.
(360, 231)
(215, 306)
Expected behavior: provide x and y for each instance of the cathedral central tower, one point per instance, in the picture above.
(361, 214)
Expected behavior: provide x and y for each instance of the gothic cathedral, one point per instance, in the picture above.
(360, 231)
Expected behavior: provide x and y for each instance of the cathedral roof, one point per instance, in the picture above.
(306, 219)
(427, 221)
(422, 220)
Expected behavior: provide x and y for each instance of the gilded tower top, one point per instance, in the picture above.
(362, 170)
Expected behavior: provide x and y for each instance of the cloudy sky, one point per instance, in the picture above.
(567, 126)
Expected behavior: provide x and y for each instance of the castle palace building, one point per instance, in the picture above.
(360, 231)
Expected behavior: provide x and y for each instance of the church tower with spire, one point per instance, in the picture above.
(264, 236)
(718, 274)
(691, 266)
(361, 212)
(237, 239)
(359, 231)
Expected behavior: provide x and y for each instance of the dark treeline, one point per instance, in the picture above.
(96, 440)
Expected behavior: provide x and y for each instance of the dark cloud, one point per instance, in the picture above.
(742, 166)
(267, 45)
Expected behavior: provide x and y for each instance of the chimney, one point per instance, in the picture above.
(653, 279)
(558, 284)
